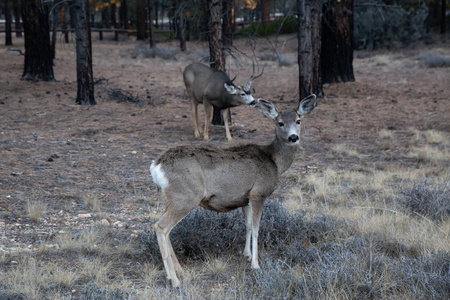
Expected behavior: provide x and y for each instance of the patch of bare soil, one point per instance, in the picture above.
(91, 164)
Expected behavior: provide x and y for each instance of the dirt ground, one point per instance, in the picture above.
(67, 156)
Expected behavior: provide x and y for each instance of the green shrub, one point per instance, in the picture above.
(379, 25)
(285, 25)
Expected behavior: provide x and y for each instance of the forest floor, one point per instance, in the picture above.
(65, 168)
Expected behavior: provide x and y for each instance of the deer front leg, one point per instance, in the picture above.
(247, 210)
(225, 120)
(256, 218)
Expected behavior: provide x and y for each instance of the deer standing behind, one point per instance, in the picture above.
(214, 88)
(225, 179)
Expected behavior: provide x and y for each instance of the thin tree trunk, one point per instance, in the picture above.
(265, 5)
(54, 27)
(310, 81)
(17, 22)
(180, 24)
(216, 57)
(38, 59)
(140, 22)
(123, 13)
(151, 34)
(227, 22)
(8, 21)
(112, 17)
(337, 41)
(156, 6)
(443, 10)
(63, 18)
(85, 78)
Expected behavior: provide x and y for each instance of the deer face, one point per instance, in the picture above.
(288, 122)
(243, 95)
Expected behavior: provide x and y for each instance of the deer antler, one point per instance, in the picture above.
(248, 83)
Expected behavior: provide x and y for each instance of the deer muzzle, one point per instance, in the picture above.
(293, 138)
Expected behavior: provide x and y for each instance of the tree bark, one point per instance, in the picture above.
(8, 21)
(140, 22)
(337, 41)
(85, 78)
(310, 81)
(443, 9)
(151, 34)
(54, 27)
(113, 15)
(265, 6)
(38, 58)
(17, 22)
(123, 14)
(227, 22)
(216, 57)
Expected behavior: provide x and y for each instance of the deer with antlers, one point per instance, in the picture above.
(214, 88)
(225, 179)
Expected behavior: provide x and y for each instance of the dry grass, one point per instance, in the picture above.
(35, 210)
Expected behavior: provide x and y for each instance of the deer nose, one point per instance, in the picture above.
(253, 103)
(293, 138)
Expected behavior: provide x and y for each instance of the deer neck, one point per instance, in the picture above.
(282, 154)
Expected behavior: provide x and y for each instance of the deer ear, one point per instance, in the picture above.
(230, 89)
(307, 105)
(267, 109)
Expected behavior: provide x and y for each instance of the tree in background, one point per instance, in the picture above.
(85, 78)
(38, 55)
(8, 37)
(141, 17)
(227, 22)
(216, 57)
(17, 22)
(151, 34)
(310, 81)
(337, 41)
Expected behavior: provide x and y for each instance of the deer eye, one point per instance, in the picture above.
(243, 94)
(281, 124)
(298, 122)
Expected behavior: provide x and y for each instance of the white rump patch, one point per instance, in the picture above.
(158, 175)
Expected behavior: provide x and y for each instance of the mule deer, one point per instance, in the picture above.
(225, 179)
(214, 88)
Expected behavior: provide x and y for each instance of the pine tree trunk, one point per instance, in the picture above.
(38, 57)
(17, 22)
(140, 22)
(216, 58)
(443, 16)
(151, 34)
(227, 23)
(265, 6)
(123, 14)
(337, 41)
(310, 81)
(8, 32)
(85, 78)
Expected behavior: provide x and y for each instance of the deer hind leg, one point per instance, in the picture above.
(247, 210)
(162, 228)
(194, 113)
(208, 116)
(225, 120)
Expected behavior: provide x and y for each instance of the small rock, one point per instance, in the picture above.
(118, 224)
(104, 222)
(84, 215)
